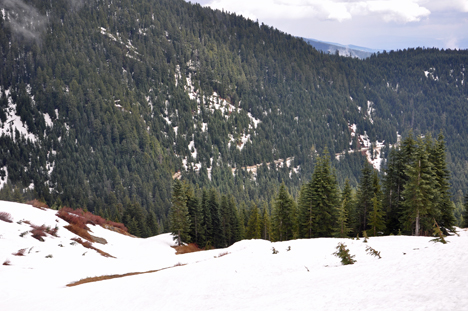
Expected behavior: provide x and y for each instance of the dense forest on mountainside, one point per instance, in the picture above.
(102, 102)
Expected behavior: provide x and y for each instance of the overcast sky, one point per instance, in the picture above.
(378, 24)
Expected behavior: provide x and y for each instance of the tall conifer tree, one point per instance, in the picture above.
(179, 215)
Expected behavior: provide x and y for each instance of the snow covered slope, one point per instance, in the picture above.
(413, 273)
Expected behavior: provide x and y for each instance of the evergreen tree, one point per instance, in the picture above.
(342, 230)
(465, 212)
(265, 224)
(325, 196)
(444, 207)
(419, 191)
(240, 232)
(216, 225)
(306, 214)
(253, 230)
(179, 215)
(376, 219)
(393, 182)
(206, 220)
(282, 220)
(196, 217)
(364, 197)
(152, 224)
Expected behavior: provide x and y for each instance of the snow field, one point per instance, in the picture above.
(413, 274)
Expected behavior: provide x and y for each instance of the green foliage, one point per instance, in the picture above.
(343, 253)
(283, 220)
(372, 252)
(376, 217)
(179, 214)
(439, 236)
(253, 230)
(112, 76)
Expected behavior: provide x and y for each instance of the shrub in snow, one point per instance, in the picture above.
(343, 253)
(6, 263)
(364, 234)
(439, 236)
(372, 252)
(274, 250)
(49, 256)
(5, 217)
(38, 232)
(20, 252)
(38, 204)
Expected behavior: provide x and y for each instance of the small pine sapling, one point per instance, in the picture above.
(439, 236)
(372, 252)
(343, 253)
(364, 234)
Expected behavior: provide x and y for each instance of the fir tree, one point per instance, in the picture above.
(265, 222)
(364, 196)
(253, 230)
(179, 215)
(444, 206)
(419, 190)
(283, 221)
(324, 195)
(376, 219)
(342, 229)
(196, 217)
(465, 212)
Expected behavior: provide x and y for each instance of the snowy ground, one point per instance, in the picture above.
(413, 274)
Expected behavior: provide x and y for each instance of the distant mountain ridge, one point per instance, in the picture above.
(343, 50)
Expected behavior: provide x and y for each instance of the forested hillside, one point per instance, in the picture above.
(102, 102)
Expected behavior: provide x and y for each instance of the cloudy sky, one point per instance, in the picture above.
(378, 24)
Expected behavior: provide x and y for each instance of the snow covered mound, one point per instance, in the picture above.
(413, 273)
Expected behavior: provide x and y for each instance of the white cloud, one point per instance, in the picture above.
(401, 11)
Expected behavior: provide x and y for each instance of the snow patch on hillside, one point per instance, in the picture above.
(4, 179)
(116, 38)
(431, 74)
(372, 151)
(13, 122)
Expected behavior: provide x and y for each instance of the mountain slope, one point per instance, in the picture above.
(103, 103)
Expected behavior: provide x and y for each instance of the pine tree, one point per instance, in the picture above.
(206, 220)
(419, 190)
(393, 184)
(253, 230)
(376, 218)
(240, 232)
(325, 196)
(265, 222)
(347, 198)
(364, 196)
(216, 225)
(444, 206)
(179, 215)
(465, 212)
(306, 214)
(283, 221)
(152, 224)
(342, 229)
(196, 216)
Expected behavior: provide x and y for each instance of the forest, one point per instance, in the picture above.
(103, 103)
